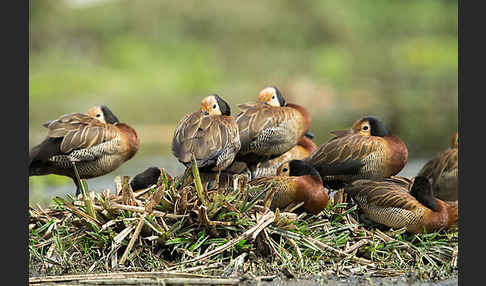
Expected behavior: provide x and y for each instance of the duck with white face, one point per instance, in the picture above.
(295, 182)
(210, 134)
(95, 142)
(367, 150)
(270, 127)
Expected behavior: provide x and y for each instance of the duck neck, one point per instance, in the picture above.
(131, 138)
(305, 115)
(307, 143)
(313, 194)
(399, 153)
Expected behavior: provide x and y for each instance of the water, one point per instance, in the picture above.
(171, 165)
(130, 168)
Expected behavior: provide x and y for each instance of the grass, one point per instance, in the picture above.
(223, 232)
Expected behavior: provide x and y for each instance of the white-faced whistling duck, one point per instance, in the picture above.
(211, 134)
(367, 150)
(302, 184)
(270, 127)
(442, 170)
(96, 142)
(305, 146)
(397, 204)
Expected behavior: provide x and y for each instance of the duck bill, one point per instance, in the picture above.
(309, 135)
(341, 133)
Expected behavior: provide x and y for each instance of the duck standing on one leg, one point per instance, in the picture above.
(210, 134)
(96, 142)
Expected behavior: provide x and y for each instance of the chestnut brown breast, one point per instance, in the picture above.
(294, 190)
(96, 148)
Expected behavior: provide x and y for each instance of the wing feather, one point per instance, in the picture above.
(345, 155)
(205, 137)
(80, 131)
(382, 193)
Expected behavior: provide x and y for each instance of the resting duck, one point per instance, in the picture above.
(300, 182)
(270, 127)
(211, 134)
(366, 151)
(388, 201)
(442, 170)
(95, 141)
(305, 146)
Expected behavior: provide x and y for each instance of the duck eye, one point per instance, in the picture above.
(214, 106)
(98, 115)
(365, 127)
(285, 169)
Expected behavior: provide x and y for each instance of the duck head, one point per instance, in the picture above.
(146, 178)
(455, 140)
(214, 105)
(103, 114)
(284, 169)
(271, 96)
(296, 168)
(366, 126)
(421, 189)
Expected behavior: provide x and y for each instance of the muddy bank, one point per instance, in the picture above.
(355, 280)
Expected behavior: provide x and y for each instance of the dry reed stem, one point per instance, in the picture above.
(356, 246)
(127, 193)
(154, 200)
(252, 232)
(323, 246)
(78, 212)
(297, 250)
(119, 276)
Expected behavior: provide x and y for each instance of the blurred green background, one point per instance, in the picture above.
(152, 62)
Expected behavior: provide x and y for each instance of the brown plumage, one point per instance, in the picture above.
(302, 184)
(396, 204)
(270, 127)
(210, 133)
(442, 170)
(95, 141)
(366, 151)
(305, 146)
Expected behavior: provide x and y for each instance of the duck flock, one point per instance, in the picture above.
(269, 141)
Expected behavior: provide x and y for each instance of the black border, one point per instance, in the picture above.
(471, 144)
(14, 116)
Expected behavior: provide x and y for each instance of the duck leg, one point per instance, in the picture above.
(214, 184)
(78, 188)
(76, 179)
